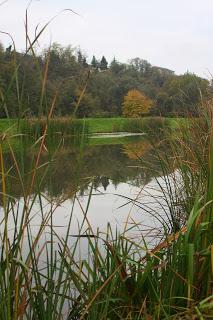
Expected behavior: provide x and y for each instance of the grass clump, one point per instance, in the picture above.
(61, 127)
(172, 280)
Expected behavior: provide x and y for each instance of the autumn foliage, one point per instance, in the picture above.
(136, 104)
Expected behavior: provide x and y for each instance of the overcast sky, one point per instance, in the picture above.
(175, 34)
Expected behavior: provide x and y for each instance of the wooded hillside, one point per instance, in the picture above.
(29, 83)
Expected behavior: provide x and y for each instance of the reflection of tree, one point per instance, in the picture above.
(136, 150)
(101, 181)
(72, 170)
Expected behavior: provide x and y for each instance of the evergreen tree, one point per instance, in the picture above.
(103, 64)
(94, 63)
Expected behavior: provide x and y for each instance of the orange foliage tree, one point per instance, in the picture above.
(136, 104)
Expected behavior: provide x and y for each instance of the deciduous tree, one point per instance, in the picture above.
(136, 104)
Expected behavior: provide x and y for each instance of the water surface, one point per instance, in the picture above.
(97, 184)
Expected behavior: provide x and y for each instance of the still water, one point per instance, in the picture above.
(96, 185)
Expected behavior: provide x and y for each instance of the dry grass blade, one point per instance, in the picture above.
(82, 93)
(169, 240)
(40, 32)
(3, 2)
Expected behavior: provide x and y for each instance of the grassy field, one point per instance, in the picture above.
(101, 125)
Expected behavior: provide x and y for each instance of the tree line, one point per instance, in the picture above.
(30, 82)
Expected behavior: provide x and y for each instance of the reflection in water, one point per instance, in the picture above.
(71, 169)
(115, 174)
(90, 186)
(78, 191)
(137, 150)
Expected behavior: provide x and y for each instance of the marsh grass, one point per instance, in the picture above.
(139, 125)
(57, 130)
(44, 275)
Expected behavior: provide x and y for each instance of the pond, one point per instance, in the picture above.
(98, 183)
